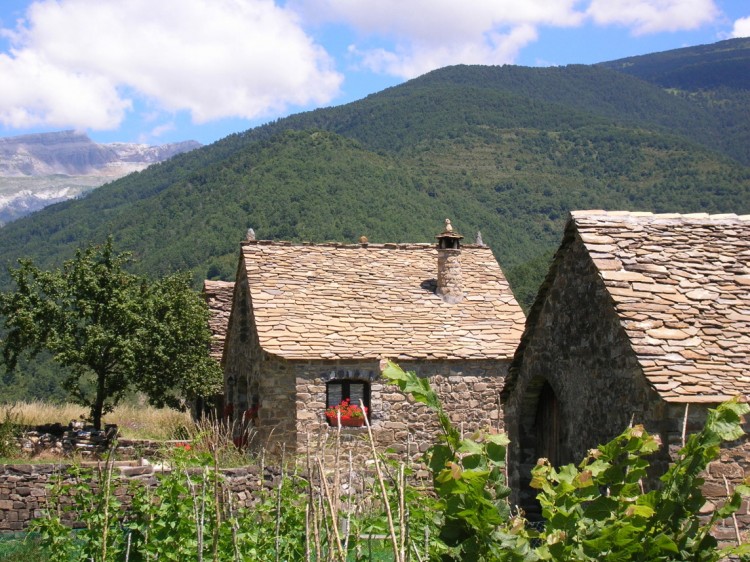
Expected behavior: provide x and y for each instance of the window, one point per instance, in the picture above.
(356, 391)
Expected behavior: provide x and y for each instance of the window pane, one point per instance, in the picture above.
(334, 394)
(356, 393)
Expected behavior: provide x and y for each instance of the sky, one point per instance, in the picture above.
(158, 71)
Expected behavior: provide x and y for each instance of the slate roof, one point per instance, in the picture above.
(332, 301)
(681, 287)
(218, 295)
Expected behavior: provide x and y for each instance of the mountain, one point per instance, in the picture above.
(714, 79)
(722, 65)
(75, 154)
(505, 150)
(40, 169)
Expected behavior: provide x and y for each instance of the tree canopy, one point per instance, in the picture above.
(113, 330)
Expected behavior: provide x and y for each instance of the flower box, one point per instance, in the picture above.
(351, 415)
(346, 421)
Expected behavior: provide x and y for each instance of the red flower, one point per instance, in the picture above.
(346, 410)
(251, 413)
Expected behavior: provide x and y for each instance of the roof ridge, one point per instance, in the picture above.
(355, 246)
(594, 213)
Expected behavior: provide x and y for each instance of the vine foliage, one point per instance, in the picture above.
(596, 510)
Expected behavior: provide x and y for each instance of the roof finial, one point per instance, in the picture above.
(448, 225)
(250, 236)
(478, 240)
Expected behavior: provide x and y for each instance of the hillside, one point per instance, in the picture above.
(505, 150)
(714, 79)
(725, 64)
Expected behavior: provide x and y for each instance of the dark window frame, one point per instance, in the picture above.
(346, 392)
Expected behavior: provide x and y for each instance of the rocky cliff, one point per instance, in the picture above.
(40, 169)
(75, 154)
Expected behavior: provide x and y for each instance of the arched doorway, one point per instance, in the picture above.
(547, 430)
(540, 435)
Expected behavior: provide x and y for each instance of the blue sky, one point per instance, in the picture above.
(157, 71)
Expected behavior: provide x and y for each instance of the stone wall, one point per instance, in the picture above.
(578, 347)
(24, 488)
(243, 355)
(54, 442)
(469, 391)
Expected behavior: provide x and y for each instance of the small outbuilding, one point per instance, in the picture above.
(218, 297)
(310, 323)
(642, 318)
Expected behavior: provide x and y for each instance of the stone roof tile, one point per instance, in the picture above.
(694, 302)
(335, 301)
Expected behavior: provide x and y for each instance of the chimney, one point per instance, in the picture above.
(449, 285)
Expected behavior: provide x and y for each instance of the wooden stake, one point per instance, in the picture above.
(334, 515)
(389, 515)
(734, 515)
(684, 424)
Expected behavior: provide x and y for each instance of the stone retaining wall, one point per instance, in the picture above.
(24, 488)
(55, 441)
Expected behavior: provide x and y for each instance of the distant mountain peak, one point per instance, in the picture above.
(39, 169)
(73, 153)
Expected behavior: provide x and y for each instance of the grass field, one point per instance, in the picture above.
(135, 421)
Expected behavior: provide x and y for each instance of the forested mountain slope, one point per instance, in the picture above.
(714, 78)
(725, 64)
(505, 150)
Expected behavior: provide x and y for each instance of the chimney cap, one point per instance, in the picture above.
(449, 239)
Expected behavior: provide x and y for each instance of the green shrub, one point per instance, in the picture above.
(21, 548)
(10, 430)
(594, 511)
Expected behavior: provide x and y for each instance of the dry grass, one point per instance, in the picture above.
(134, 421)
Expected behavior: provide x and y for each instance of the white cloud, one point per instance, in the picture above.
(34, 91)
(653, 16)
(79, 63)
(741, 28)
(159, 130)
(491, 48)
(440, 20)
(426, 34)
(434, 33)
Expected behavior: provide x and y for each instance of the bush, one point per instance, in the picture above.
(10, 430)
(594, 511)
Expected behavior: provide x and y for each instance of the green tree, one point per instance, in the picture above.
(115, 331)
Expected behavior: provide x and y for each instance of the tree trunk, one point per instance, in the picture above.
(98, 406)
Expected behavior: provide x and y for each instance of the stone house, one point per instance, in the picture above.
(642, 318)
(310, 323)
(218, 297)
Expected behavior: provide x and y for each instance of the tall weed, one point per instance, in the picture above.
(10, 430)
